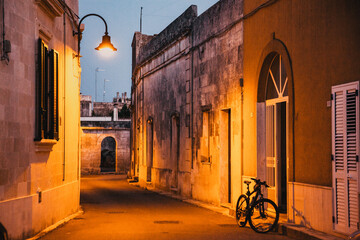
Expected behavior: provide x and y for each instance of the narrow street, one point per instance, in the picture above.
(113, 209)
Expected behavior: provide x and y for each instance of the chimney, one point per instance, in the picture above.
(115, 115)
(117, 95)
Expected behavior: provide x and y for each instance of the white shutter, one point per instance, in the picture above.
(345, 150)
(270, 145)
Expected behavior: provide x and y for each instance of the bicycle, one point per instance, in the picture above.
(262, 213)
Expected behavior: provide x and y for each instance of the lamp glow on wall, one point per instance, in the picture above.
(106, 39)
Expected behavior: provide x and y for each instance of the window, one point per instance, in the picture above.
(47, 114)
(277, 79)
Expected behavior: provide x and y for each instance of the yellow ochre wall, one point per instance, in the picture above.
(322, 39)
(28, 167)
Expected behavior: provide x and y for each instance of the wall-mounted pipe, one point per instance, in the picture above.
(6, 45)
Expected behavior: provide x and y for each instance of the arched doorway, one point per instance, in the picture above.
(108, 155)
(275, 135)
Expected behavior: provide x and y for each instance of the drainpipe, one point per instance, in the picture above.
(192, 101)
(6, 45)
(64, 102)
(242, 128)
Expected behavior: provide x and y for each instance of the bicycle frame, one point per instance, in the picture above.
(256, 197)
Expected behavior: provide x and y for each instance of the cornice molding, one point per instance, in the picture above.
(51, 7)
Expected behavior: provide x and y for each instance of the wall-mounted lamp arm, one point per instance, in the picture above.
(88, 15)
(106, 43)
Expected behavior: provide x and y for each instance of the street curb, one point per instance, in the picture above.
(301, 232)
(287, 229)
(56, 225)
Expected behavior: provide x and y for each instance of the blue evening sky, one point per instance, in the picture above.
(123, 19)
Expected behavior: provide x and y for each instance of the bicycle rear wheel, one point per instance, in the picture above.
(241, 208)
(264, 216)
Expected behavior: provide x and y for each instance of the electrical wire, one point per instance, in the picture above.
(230, 26)
(71, 14)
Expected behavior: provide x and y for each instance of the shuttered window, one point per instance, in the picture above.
(47, 113)
(345, 150)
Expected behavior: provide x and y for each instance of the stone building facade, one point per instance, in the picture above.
(105, 149)
(39, 109)
(178, 141)
(105, 139)
(253, 89)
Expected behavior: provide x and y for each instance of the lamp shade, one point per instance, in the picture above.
(106, 43)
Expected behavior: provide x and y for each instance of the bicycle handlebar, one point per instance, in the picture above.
(258, 181)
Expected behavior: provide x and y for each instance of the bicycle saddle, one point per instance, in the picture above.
(247, 182)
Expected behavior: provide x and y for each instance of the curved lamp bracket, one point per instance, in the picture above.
(106, 43)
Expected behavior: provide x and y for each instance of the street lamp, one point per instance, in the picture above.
(105, 80)
(96, 71)
(106, 43)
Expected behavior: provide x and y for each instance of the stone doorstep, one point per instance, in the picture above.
(288, 229)
(133, 180)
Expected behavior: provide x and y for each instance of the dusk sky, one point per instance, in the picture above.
(122, 17)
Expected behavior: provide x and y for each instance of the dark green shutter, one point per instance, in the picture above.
(46, 103)
(40, 88)
(53, 95)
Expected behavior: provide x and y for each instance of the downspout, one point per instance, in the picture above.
(242, 125)
(192, 100)
(64, 96)
(5, 49)
(3, 28)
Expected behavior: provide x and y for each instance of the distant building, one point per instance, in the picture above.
(85, 106)
(39, 117)
(108, 108)
(105, 139)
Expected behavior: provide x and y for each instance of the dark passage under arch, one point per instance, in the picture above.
(108, 162)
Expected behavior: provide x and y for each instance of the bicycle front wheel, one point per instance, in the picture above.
(264, 216)
(241, 208)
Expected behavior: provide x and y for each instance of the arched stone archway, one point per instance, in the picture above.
(108, 155)
(275, 107)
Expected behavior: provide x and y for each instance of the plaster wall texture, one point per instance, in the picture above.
(28, 167)
(91, 139)
(321, 40)
(324, 51)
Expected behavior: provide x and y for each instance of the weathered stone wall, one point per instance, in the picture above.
(217, 69)
(28, 167)
(124, 123)
(193, 66)
(91, 140)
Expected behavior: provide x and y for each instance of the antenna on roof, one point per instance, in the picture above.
(141, 19)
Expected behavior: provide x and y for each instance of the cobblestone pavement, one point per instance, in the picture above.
(113, 209)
